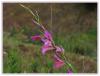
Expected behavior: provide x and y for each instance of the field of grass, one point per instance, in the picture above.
(22, 55)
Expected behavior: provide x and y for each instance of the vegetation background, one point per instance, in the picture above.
(74, 26)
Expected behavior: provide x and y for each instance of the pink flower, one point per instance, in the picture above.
(47, 35)
(58, 63)
(59, 49)
(69, 71)
(36, 37)
(43, 40)
(46, 48)
(46, 42)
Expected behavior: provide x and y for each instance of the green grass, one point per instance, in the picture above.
(12, 62)
(82, 43)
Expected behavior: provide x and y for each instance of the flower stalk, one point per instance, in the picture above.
(48, 43)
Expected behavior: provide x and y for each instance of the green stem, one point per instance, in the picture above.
(36, 17)
(27, 9)
(70, 65)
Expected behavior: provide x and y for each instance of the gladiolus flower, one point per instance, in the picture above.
(58, 63)
(47, 35)
(46, 48)
(46, 42)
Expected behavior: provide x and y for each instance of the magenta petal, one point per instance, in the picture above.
(47, 46)
(47, 35)
(48, 43)
(46, 49)
(36, 37)
(58, 63)
(59, 49)
(69, 71)
(43, 40)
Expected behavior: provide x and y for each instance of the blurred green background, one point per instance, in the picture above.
(74, 26)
